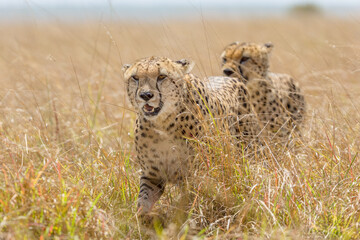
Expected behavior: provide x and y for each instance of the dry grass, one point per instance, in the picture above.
(66, 132)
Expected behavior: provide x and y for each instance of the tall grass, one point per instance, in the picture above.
(67, 162)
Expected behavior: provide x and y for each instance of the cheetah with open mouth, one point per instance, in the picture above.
(172, 105)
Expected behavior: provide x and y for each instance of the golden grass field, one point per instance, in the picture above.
(67, 166)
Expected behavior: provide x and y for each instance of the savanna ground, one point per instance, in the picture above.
(66, 130)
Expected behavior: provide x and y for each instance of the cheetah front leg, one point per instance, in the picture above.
(151, 189)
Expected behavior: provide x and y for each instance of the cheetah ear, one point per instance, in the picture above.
(234, 43)
(125, 67)
(268, 47)
(186, 65)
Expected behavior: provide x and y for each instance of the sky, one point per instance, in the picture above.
(20, 3)
(70, 10)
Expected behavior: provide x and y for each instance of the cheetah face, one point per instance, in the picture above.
(153, 84)
(246, 60)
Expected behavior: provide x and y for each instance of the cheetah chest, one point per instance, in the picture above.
(161, 155)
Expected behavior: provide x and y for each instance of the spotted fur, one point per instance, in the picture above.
(174, 105)
(248, 61)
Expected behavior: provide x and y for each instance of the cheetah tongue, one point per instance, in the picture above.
(148, 108)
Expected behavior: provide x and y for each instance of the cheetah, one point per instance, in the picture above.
(248, 61)
(172, 106)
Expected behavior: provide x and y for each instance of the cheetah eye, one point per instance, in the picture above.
(161, 77)
(244, 59)
(135, 78)
(224, 60)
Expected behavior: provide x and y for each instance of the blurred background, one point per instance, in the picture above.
(145, 10)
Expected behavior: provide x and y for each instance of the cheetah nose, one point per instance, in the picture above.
(228, 71)
(146, 95)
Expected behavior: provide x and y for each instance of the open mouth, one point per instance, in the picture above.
(150, 110)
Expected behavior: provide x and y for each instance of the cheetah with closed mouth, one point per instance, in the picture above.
(247, 61)
(172, 104)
